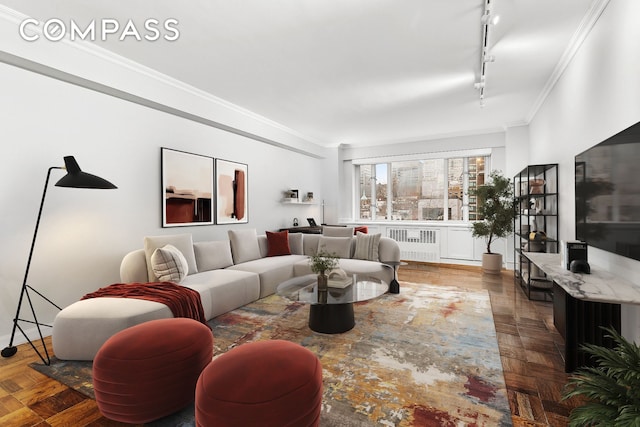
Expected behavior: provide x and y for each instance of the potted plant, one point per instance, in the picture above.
(611, 387)
(321, 263)
(496, 207)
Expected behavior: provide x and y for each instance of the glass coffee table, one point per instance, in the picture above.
(331, 312)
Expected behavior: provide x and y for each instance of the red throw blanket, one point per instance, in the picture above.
(182, 301)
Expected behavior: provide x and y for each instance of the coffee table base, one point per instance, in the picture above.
(331, 318)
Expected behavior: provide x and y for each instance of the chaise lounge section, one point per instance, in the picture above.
(227, 274)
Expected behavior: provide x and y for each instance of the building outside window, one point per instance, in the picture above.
(434, 189)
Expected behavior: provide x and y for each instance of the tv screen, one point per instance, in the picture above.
(608, 194)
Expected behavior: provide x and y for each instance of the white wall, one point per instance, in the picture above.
(85, 233)
(597, 96)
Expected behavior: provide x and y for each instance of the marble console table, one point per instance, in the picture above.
(582, 303)
(599, 286)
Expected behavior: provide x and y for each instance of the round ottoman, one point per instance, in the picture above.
(150, 370)
(266, 383)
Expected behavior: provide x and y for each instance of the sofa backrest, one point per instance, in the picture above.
(211, 255)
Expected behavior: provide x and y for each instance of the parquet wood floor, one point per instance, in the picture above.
(530, 350)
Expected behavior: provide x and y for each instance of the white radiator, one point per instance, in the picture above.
(417, 244)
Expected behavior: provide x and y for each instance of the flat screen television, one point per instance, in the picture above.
(608, 194)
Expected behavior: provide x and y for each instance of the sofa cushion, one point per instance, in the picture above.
(183, 242)
(272, 271)
(338, 246)
(295, 243)
(333, 231)
(278, 243)
(367, 246)
(213, 255)
(224, 290)
(168, 264)
(244, 245)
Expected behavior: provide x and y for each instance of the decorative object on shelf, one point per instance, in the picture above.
(232, 206)
(187, 188)
(537, 236)
(536, 186)
(74, 178)
(497, 208)
(309, 197)
(312, 222)
(295, 222)
(610, 387)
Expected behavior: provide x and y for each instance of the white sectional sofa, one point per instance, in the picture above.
(227, 274)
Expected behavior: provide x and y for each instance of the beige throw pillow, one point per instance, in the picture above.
(168, 264)
(183, 242)
(338, 246)
(333, 231)
(367, 246)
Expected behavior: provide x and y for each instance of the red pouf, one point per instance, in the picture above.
(150, 370)
(265, 383)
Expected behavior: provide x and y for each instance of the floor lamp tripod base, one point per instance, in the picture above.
(9, 351)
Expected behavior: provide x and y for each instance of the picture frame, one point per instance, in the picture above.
(187, 188)
(232, 187)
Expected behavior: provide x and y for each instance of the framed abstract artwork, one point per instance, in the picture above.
(232, 205)
(187, 188)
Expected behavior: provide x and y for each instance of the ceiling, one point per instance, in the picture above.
(360, 72)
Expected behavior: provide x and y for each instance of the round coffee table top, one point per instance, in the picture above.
(305, 289)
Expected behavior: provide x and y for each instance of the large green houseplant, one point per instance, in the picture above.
(611, 387)
(496, 207)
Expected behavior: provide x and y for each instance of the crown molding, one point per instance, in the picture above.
(88, 48)
(579, 36)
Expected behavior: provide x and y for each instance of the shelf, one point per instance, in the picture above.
(544, 200)
(287, 202)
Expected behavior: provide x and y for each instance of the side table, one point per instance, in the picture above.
(394, 286)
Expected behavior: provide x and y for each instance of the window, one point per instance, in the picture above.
(434, 189)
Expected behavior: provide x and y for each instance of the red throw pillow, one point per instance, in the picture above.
(278, 243)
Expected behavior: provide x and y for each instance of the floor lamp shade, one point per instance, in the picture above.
(75, 178)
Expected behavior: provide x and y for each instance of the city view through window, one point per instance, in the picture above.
(421, 190)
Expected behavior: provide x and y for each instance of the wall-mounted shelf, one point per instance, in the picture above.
(293, 202)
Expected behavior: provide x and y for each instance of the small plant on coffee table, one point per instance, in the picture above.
(323, 262)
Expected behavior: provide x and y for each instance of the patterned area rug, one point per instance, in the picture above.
(425, 357)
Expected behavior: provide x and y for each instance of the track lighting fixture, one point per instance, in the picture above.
(487, 20)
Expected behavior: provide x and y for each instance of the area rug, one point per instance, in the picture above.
(427, 356)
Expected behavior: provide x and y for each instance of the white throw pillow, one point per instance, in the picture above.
(338, 246)
(244, 245)
(333, 231)
(367, 246)
(183, 242)
(168, 264)
(213, 255)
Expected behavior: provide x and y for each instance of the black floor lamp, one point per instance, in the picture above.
(74, 178)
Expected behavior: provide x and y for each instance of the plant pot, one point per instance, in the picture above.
(491, 263)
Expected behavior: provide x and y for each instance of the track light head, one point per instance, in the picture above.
(490, 19)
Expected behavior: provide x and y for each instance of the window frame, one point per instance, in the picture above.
(445, 156)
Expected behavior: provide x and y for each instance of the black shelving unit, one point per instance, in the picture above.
(535, 226)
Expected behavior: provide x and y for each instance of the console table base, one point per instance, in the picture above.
(579, 322)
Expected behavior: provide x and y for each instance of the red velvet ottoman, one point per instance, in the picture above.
(150, 370)
(265, 383)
